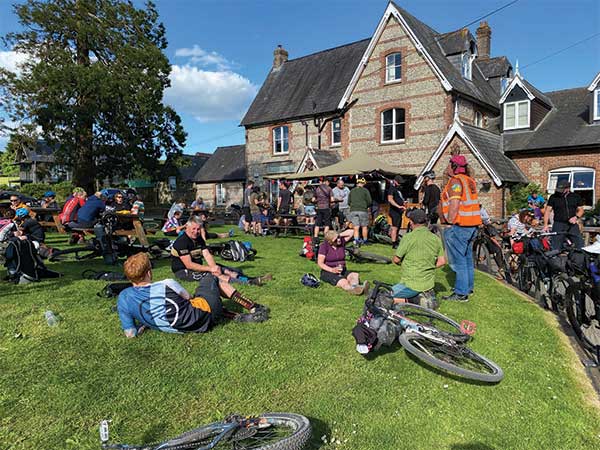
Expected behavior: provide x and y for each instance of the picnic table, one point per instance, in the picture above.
(292, 224)
(44, 215)
(588, 232)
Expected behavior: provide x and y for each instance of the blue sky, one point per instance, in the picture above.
(222, 50)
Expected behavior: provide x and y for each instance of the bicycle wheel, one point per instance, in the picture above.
(526, 278)
(543, 286)
(454, 357)
(278, 431)
(430, 318)
(481, 256)
(582, 315)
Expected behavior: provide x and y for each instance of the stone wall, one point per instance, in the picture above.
(208, 192)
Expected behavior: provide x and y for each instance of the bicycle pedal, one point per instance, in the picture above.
(468, 327)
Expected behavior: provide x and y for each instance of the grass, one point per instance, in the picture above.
(56, 384)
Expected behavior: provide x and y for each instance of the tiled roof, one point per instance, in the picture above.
(494, 67)
(225, 164)
(188, 173)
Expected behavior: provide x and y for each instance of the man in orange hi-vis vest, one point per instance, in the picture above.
(459, 207)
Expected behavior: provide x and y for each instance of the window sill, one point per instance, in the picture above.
(281, 154)
(335, 145)
(526, 127)
(399, 141)
(393, 81)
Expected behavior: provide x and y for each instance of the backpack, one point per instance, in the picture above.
(309, 280)
(102, 276)
(113, 289)
(24, 263)
(237, 251)
(309, 249)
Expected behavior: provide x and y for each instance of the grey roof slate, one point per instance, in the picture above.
(494, 67)
(225, 164)
(490, 146)
(566, 125)
(538, 94)
(455, 41)
(306, 86)
(188, 173)
(477, 88)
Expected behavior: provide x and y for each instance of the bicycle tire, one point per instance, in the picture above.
(432, 318)
(482, 258)
(202, 436)
(579, 311)
(415, 344)
(360, 256)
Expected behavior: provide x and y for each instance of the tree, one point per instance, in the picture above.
(94, 82)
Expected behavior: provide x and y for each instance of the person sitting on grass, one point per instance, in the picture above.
(187, 255)
(166, 306)
(172, 226)
(332, 261)
(419, 253)
(207, 234)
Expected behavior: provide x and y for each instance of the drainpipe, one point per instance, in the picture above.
(305, 123)
(503, 201)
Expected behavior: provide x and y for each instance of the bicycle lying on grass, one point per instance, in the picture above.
(268, 431)
(432, 337)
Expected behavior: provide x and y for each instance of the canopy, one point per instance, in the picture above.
(359, 163)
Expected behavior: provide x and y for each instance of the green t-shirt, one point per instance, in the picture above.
(359, 199)
(419, 251)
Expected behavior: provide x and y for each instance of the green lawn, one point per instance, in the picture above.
(56, 384)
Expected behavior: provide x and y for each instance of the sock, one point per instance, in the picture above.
(241, 299)
(239, 279)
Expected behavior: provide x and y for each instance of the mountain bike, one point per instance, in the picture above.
(434, 338)
(268, 431)
(488, 251)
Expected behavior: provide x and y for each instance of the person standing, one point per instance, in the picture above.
(246, 205)
(431, 197)
(340, 196)
(323, 199)
(460, 209)
(359, 201)
(396, 202)
(284, 201)
(568, 208)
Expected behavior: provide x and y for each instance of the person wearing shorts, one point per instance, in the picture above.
(359, 201)
(332, 261)
(396, 201)
(323, 199)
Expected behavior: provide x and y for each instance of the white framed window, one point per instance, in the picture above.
(393, 125)
(336, 132)
(280, 140)
(393, 67)
(478, 119)
(597, 104)
(516, 115)
(581, 179)
(466, 64)
(221, 194)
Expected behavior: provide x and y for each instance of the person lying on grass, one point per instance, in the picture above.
(332, 261)
(419, 253)
(167, 306)
(187, 255)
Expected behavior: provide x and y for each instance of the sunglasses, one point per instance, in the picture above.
(13, 200)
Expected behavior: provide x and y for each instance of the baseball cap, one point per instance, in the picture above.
(459, 160)
(418, 216)
(430, 174)
(361, 180)
(21, 212)
(104, 193)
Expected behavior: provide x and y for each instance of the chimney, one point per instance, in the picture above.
(484, 40)
(280, 55)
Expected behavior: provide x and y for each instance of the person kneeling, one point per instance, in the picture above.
(166, 306)
(332, 261)
(420, 252)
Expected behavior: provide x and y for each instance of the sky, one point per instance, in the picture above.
(221, 51)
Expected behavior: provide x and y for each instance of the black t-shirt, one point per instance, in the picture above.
(285, 195)
(33, 230)
(397, 196)
(431, 197)
(564, 206)
(184, 245)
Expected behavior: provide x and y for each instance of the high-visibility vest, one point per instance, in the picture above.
(468, 208)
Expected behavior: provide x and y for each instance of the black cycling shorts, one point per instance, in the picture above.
(396, 217)
(333, 278)
(323, 217)
(247, 214)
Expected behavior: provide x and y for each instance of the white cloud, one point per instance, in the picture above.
(10, 60)
(209, 95)
(197, 55)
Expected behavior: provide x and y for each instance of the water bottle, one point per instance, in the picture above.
(51, 318)
(595, 272)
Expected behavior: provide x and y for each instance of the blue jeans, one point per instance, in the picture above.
(459, 246)
(402, 291)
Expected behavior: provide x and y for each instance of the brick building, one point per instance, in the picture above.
(407, 96)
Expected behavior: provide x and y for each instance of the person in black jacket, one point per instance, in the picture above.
(431, 196)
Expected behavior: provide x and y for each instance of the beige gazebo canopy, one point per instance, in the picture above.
(359, 163)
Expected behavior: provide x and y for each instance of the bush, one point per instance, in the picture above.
(37, 190)
(518, 196)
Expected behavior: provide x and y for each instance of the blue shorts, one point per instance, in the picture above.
(401, 291)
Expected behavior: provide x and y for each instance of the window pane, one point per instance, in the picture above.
(277, 146)
(285, 132)
(400, 131)
(389, 60)
(397, 59)
(277, 133)
(399, 115)
(337, 125)
(387, 116)
(583, 180)
(398, 72)
(387, 133)
(509, 113)
(285, 145)
(523, 114)
(597, 92)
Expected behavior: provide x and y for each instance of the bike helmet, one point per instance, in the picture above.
(49, 194)
(308, 279)
(21, 212)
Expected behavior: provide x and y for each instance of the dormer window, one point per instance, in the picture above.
(516, 115)
(467, 61)
(597, 104)
(478, 119)
(393, 67)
